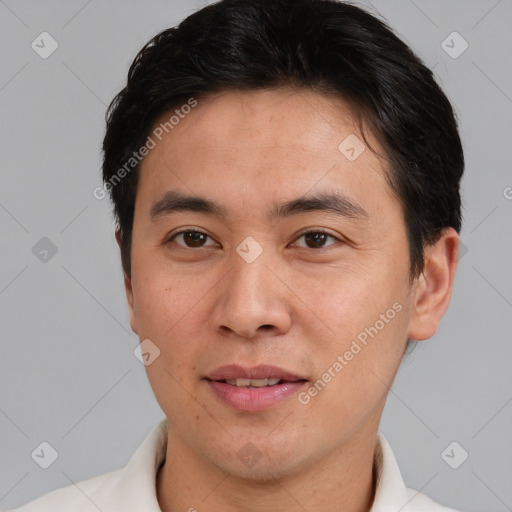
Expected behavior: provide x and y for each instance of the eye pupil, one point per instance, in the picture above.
(315, 239)
(194, 238)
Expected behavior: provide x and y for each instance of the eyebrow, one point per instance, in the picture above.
(336, 202)
(177, 202)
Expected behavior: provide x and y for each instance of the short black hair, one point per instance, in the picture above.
(326, 46)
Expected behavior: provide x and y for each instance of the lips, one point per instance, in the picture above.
(233, 372)
(253, 389)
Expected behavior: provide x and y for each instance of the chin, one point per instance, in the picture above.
(260, 461)
(263, 472)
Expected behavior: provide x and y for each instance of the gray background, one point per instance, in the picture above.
(68, 374)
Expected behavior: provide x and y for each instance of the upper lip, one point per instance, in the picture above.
(233, 371)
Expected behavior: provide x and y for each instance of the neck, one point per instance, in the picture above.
(188, 482)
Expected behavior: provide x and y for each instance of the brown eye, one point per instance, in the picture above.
(316, 239)
(191, 239)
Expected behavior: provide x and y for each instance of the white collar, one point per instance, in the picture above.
(133, 488)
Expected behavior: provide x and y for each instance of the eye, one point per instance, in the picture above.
(316, 239)
(191, 239)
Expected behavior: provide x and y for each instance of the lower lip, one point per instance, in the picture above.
(254, 399)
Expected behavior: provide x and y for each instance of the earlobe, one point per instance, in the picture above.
(119, 236)
(128, 287)
(432, 290)
(130, 299)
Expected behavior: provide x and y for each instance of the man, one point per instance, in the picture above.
(285, 176)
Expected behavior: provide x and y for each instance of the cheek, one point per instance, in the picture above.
(170, 311)
(358, 337)
(169, 314)
(354, 377)
(164, 302)
(346, 298)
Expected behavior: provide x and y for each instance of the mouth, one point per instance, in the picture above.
(253, 389)
(234, 373)
(253, 383)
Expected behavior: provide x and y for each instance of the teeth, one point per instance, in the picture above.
(255, 383)
(242, 382)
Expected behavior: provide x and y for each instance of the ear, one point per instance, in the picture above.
(127, 287)
(432, 290)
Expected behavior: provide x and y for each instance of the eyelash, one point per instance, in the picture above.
(315, 231)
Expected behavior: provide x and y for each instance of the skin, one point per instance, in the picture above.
(296, 306)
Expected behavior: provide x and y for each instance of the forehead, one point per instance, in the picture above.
(257, 145)
(272, 117)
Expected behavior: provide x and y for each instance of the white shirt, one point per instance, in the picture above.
(133, 489)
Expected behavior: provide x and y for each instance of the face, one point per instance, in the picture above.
(263, 249)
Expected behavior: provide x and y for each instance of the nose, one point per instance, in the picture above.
(252, 301)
